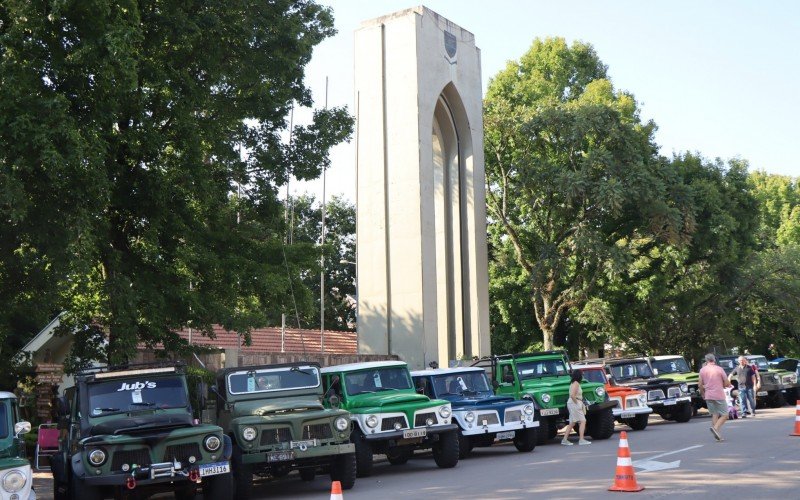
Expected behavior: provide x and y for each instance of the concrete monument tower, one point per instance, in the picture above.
(421, 215)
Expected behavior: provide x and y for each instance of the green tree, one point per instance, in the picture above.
(142, 147)
(573, 178)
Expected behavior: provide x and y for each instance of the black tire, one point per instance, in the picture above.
(544, 430)
(219, 487)
(639, 422)
(525, 439)
(684, 413)
(791, 396)
(667, 416)
(399, 455)
(445, 451)
(343, 469)
(79, 490)
(242, 475)
(363, 454)
(186, 492)
(464, 446)
(308, 474)
(776, 400)
(600, 424)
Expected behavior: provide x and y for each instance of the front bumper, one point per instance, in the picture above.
(311, 453)
(661, 404)
(632, 412)
(398, 435)
(495, 428)
(151, 475)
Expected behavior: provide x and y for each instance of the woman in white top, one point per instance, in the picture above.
(577, 410)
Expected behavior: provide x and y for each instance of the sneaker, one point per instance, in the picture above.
(566, 442)
(715, 433)
(583, 442)
(744, 415)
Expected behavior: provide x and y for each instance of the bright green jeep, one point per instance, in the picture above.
(130, 432)
(276, 420)
(543, 377)
(389, 417)
(15, 470)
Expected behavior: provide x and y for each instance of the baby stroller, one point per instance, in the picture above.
(732, 398)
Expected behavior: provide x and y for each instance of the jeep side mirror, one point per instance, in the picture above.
(22, 427)
(495, 384)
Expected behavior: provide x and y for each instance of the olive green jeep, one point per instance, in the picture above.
(130, 432)
(276, 420)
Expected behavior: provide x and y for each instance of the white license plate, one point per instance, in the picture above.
(627, 415)
(303, 445)
(280, 456)
(215, 468)
(506, 435)
(762, 393)
(670, 402)
(546, 412)
(415, 433)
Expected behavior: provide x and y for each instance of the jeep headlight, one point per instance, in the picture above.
(444, 411)
(528, 409)
(372, 421)
(14, 481)
(212, 443)
(97, 457)
(469, 417)
(545, 398)
(249, 433)
(341, 423)
(600, 392)
(684, 388)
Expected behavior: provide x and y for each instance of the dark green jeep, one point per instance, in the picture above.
(130, 432)
(276, 420)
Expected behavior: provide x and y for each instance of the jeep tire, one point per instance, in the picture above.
(776, 400)
(186, 492)
(307, 474)
(343, 469)
(79, 490)
(683, 413)
(465, 445)
(639, 422)
(600, 425)
(399, 455)
(525, 439)
(219, 486)
(445, 450)
(242, 475)
(545, 424)
(363, 454)
(791, 396)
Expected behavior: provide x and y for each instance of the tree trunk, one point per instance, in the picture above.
(547, 336)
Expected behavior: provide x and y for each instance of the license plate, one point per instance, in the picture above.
(215, 468)
(280, 456)
(627, 415)
(415, 433)
(546, 412)
(669, 402)
(762, 393)
(506, 435)
(303, 445)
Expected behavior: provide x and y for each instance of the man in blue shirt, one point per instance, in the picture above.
(747, 382)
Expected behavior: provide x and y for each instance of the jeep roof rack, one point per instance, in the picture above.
(96, 370)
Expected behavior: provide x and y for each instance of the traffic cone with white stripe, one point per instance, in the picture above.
(625, 479)
(336, 491)
(796, 420)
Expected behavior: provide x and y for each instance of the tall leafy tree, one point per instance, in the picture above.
(573, 179)
(142, 147)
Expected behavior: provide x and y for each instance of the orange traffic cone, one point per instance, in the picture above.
(796, 420)
(336, 491)
(625, 480)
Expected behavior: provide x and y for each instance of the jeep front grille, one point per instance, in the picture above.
(317, 431)
(387, 424)
(513, 416)
(674, 392)
(140, 457)
(559, 400)
(182, 452)
(275, 436)
(655, 395)
(488, 418)
(420, 418)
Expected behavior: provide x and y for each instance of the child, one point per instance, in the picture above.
(732, 398)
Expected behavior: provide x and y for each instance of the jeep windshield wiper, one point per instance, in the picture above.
(97, 411)
(296, 369)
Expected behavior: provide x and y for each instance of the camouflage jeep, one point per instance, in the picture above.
(15, 470)
(676, 368)
(130, 432)
(277, 423)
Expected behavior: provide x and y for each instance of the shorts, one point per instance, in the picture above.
(576, 414)
(717, 407)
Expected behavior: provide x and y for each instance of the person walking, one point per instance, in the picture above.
(746, 378)
(577, 410)
(712, 384)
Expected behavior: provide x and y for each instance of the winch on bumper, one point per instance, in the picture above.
(158, 473)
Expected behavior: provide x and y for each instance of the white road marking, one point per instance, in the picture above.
(674, 452)
(650, 464)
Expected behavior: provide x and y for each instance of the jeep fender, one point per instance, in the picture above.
(77, 465)
(357, 423)
(529, 397)
(58, 467)
(227, 447)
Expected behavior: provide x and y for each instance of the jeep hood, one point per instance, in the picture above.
(385, 398)
(481, 402)
(142, 424)
(547, 384)
(264, 407)
(689, 377)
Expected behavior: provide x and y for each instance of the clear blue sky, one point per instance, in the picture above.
(718, 77)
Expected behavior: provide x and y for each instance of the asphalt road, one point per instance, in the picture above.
(758, 459)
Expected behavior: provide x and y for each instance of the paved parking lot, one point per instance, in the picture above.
(758, 459)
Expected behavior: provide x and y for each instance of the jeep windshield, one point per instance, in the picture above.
(541, 368)
(3, 420)
(728, 364)
(463, 383)
(631, 370)
(382, 379)
(761, 362)
(594, 375)
(676, 365)
(135, 394)
(273, 379)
